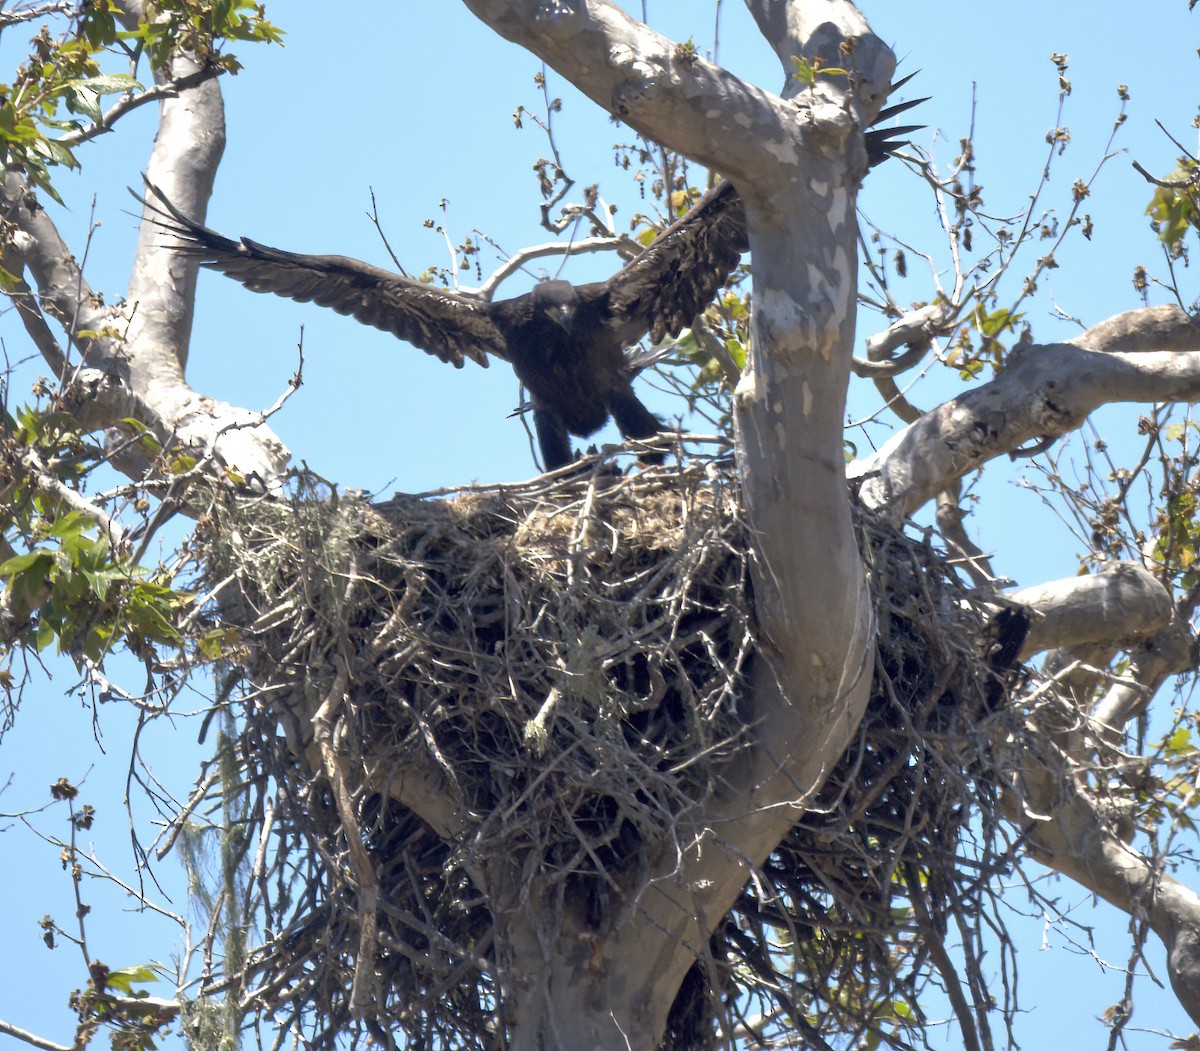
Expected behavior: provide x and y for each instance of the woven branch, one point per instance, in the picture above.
(549, 678)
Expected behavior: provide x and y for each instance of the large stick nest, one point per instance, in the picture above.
(549, 677)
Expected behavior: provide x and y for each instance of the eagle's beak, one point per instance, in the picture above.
(563, 315)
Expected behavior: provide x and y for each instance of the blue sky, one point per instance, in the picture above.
(416, 102)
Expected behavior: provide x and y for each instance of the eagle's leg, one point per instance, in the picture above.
(553, 440)
(633, 419)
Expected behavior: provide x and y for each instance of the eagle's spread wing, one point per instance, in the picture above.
(883, 142)
(448, 325)
(665, 287)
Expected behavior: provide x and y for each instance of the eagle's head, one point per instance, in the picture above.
(557, 300)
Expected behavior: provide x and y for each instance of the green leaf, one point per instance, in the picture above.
(106, 84)
(646, 237)
(150, 613)
(17, 127)
(125, 979)
(215, 644)
(43, 635)
(20, 563)
(804, 71)
(57, 153)
(71, 524)
(993, 324)
(737, 350)
(687, 345)
(101, 580)
(1179, 743)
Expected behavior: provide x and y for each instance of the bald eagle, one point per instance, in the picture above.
(565, 342)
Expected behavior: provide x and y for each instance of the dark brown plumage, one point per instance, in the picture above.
(565, 342)
(883, 142)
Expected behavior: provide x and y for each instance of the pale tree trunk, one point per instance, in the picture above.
(797, 164)
(130, 364)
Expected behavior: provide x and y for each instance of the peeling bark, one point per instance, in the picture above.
(662, 91)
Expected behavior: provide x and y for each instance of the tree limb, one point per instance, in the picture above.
(143, 370)
(130, 102)
(1171, 651)
(1150, 354)
(1077, 841)
(1120, 604)
(32, 1039)
(665, 92)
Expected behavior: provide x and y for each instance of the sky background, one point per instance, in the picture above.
(416, 102)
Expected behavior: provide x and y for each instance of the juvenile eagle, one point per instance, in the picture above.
(565, 342)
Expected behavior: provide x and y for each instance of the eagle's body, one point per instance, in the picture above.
(566, 347)
(565, 342)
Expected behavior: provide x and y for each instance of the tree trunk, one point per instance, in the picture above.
(799, 173)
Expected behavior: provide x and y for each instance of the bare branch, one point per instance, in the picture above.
(914, 331)
(666, 93)
(63, 291)
(1171, 651)
(1152, 354)
(519, 259)
(1078, 842)
(32, 1039)
(33, 14)
(1166, 184)
(963, 550)
(1121, 604)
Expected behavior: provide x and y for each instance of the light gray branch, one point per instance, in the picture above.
(61, 288)
(1077, 841)
(585, 246)
(1066, 828)
(959, 546)
(663, 91)
(35, 13)
(1121, 604)
(146, 381)
(32, 1039)
(914, 330)
(1171, 651)
(1047, 390)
